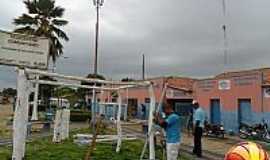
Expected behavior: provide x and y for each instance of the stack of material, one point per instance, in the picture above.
(61, 125)
(85, 139)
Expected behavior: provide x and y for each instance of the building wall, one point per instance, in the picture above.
(243, 85)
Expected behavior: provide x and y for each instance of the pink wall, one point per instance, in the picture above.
(242, 86)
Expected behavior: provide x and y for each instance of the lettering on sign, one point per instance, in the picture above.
(206, 85)
(23, 50)
(174, 93)
(246, 80)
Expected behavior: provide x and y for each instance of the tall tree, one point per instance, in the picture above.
(44, 18)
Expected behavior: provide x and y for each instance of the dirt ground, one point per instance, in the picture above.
(210, 144)
(5, 116)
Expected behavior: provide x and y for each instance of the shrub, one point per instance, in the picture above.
(79, 116)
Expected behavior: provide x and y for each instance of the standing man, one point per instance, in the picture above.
(171, 123)
(198, 125)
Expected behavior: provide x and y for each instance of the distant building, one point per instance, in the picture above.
(229, 98)
(235, 97)
(179, 92)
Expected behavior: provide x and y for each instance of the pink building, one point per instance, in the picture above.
(229, 98)
(235, 97)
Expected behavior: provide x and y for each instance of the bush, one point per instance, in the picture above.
(79, 116)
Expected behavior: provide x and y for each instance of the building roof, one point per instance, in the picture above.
(265, 71)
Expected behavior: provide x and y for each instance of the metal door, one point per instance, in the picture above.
(244, 111)
(215, 111)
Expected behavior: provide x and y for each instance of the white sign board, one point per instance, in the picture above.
(267, 92)
(23, 50)
(224, 84)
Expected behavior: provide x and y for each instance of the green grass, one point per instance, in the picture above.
(44, 149)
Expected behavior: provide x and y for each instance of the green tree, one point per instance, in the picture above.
(44, 18)
(9, 92)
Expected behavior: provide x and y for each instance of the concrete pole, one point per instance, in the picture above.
(119, 129)
(126, 107)
(150, 123)
(20, 117)
(93, 111)
(35, 105)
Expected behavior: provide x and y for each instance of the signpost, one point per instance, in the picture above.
(23, 50)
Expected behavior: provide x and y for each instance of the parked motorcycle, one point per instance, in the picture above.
(256, 131)
(214, 130)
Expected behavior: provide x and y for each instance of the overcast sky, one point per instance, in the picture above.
(178, 37)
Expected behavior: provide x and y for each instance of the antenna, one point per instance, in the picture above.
(143, 68)
(225, 38)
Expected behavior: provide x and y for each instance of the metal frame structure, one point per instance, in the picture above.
(24, 88)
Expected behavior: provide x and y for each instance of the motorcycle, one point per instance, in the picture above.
(256, 131)
(216, 130)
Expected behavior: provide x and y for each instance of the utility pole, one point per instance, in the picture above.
(143, 68)
(98, 4)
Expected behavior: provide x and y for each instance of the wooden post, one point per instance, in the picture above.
(20, 117)
(35, 105)
(150, 123)
(119, 129)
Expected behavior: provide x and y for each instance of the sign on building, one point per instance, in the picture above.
(267, 92)
(23, 50)
(175, 94)
(224, 84)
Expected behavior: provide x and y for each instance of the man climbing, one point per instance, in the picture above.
(171, 123)
(198, 125)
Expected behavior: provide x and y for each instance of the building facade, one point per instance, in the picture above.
(235, 97)
(229, 98)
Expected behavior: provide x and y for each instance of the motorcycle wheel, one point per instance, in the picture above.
(267, 138)
(222, 135)
(243, 135)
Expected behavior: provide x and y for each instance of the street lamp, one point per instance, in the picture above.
(97, 4)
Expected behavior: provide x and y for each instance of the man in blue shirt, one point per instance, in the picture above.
(198, 125)
(171, 124)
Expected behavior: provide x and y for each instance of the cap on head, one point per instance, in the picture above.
(194, 102)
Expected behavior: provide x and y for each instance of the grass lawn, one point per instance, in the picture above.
(44, 149)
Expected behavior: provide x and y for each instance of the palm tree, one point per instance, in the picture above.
(44, 19)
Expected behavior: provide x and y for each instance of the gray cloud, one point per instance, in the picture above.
(178, 37)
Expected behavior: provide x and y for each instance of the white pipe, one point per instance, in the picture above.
(150, 124)
(76, 78)
(35, 105)
(163, 94)
(70, 85)
(110, 103)
(126, 107)
(93, 109)
(20, 117)
(119, 129)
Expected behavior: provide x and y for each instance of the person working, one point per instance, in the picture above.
(198, 125)
(171, 123)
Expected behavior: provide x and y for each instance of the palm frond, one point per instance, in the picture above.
(31, 6)
(25, 19)
(59, 22)
(45, 6)
(25, 30)
(57, 12)
(56, 48)
(60, 33)
(44, 19)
